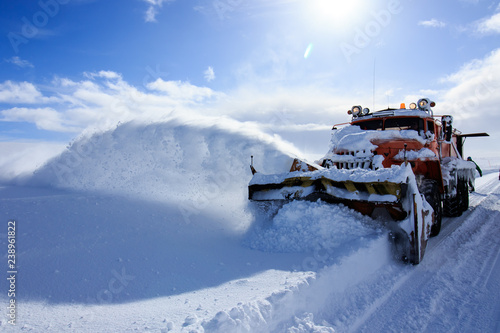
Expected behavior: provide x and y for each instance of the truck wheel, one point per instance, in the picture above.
(451, 206)
(465, 195)
(430, 190)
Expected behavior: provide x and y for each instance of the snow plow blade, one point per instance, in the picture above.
(360, 189)
(393, 189)
(361, 196)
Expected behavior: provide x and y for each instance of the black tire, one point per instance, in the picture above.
(430, 190)
(465, 195)
(452, 206)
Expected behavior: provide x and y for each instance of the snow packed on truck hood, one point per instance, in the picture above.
(353, 138)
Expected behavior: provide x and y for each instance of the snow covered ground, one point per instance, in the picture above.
(147, 228)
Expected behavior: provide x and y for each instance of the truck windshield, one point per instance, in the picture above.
(416, 124)
(405, 123)
(375, 125)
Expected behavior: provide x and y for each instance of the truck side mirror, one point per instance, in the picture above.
(447, 122)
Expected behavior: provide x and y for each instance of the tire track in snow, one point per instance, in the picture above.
(378, 303)
(428, 297)
(450, 224)
(487, 281)
(446, 277)
(418, 278)
(483, 304)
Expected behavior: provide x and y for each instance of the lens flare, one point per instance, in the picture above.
(308, 51)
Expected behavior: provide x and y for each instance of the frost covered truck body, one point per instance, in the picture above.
(406, 162)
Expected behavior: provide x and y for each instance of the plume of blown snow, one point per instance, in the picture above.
(181, 160)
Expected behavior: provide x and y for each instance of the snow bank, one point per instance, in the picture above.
(296, 309)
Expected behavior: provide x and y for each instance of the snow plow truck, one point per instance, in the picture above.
(402, 163)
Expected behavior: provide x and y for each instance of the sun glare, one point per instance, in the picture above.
(336, 13)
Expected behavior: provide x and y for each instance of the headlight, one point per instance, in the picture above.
(422, 103)
(413, 106)
(356, 110)
(425, 103)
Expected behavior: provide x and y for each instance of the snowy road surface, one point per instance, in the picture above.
(98, 251)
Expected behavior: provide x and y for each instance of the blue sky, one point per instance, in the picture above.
(71, 65)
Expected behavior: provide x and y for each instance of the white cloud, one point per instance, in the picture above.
(103, 74)
(22, 92)
(209, 74)
(474, 101)
(150, 15)
(152, 11)
(486, 69)
(433, 23)
(101, 100)
(20, 62)
(489, 25)
(44, 118)
(184, 91)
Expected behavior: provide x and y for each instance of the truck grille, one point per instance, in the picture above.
(351, 160)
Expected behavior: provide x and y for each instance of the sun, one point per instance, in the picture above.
(335, 13)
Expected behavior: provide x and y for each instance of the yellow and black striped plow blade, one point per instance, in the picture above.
(324, 188)
(375, 189)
